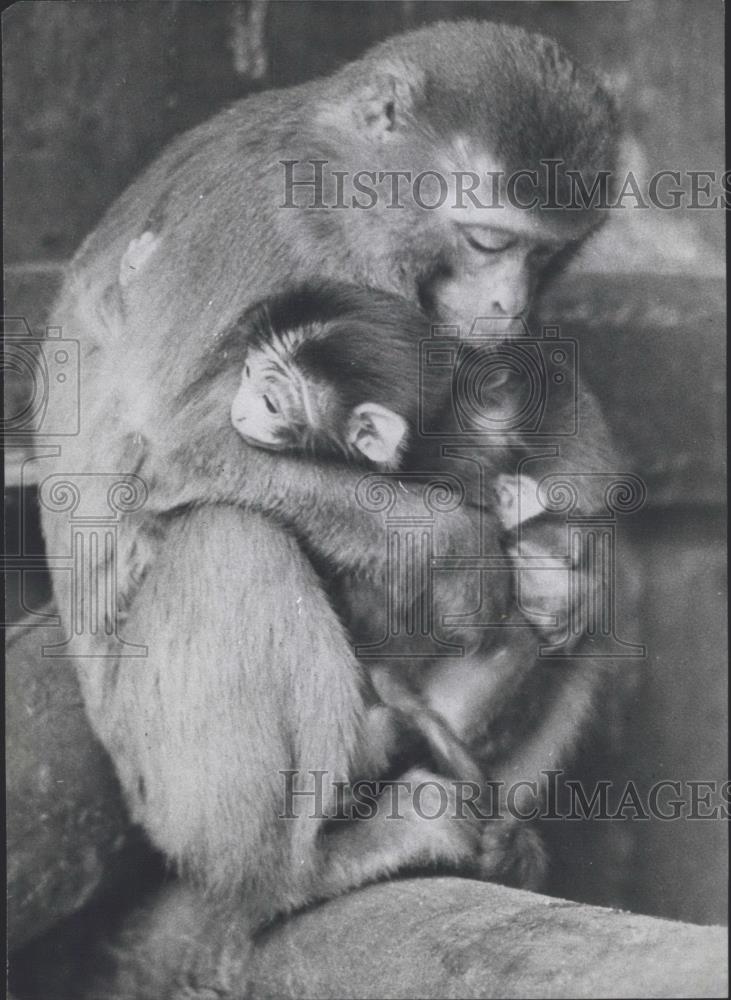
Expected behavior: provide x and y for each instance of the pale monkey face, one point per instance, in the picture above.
(498, 259)
(495, 272)
(266, 405)
(277, 408)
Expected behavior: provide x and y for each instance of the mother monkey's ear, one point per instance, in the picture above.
(377, 101)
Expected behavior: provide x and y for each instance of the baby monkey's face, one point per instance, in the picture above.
(280, 407)
(267, 406)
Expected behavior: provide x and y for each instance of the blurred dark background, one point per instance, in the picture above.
(93, 91)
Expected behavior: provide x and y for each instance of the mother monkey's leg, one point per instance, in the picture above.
(248, 675)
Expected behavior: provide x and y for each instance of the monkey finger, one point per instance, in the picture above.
(436, 807)
(512, 853)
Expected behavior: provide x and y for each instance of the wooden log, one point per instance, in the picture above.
(461, 938)
(424, 938)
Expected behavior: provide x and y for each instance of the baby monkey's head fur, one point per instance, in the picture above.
(331, 370)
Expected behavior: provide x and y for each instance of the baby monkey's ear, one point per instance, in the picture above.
(377, 432)
(517, 500)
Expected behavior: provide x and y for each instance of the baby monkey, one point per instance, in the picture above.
(331, 371)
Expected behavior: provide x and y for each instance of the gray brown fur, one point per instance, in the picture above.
(242, 678)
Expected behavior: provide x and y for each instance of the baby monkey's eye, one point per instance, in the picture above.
(270, 405)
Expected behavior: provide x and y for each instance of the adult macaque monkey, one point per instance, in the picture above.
(248, 669)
